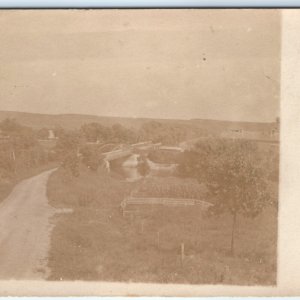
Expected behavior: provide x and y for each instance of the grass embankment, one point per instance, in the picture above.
(96, 242)
(7, 185)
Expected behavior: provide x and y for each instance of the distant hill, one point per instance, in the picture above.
(228, 125)
(67, 121)
(74, 121)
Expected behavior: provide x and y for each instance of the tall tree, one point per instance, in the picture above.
(94, 132)
(233, 175)
(42, 133)
(121, 134)
(68, 142)
(91, 157)
(10, 126)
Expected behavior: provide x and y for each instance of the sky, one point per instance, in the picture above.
(181, 64)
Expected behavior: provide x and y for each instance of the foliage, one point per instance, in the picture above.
(71, 164)
(109, 247)
(169, 134)
(230, 171)
(58, 131)
(121, 134)
(21, 155)
(164, 157)
(10, 126)
(42, 133)
(93, 132)
(6, 161)
(232, 174)
(67, 143)
(91, 157)
(21, 137)
(166, 133)
(171, 187)
(20, 150)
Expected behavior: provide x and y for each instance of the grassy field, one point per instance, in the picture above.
(96, 242)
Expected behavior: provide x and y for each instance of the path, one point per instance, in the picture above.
(25, 230)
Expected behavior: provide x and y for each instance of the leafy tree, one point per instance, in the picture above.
(233, 176)
(169, 134)
(24, 139)
(10, 126)
(121, 134)
(66, 143)
(67, 147)
(20, 136)
(7, 164)
(42, 133)
(58, 131)
(71, 163)
(91, 157)
(20, 151)
(150, 131)
(95, 132)
(19, 145)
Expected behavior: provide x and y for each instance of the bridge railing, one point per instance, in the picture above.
(163, 201)
(116, 154)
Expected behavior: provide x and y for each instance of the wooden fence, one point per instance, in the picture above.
(163, 201)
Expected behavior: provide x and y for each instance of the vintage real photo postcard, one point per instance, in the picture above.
(140, 147)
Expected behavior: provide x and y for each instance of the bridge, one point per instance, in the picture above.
(127, 150)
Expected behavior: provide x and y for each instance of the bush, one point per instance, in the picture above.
(71, 164)
(91, 157)
(164, 157)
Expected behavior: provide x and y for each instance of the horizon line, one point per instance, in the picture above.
(147, 118)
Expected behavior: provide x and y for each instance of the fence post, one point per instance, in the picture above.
(131, 218)
(143, 222)
(182, 253)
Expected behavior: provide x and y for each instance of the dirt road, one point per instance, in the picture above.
(25, 230)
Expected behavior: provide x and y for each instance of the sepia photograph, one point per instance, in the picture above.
(140, 145)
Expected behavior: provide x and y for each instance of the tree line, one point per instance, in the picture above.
(19, 149)
(23, 150)
(92, 138)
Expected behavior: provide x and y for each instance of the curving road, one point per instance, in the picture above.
(25, 230)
